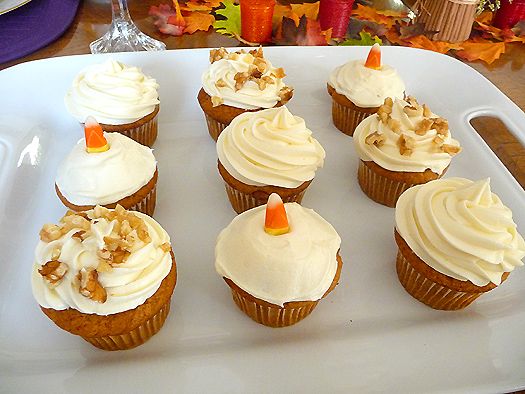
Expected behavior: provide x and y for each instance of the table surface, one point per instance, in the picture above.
(507, 73)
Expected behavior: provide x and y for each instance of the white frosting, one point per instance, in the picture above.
(127, 285)
(105, 177)
(296, 266)
(114, 93)
(270, 147)
(426, 154)
(249, 96)
(366, 87)
(461, 229)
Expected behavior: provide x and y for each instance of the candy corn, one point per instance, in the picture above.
(276, 221)
(95, 140)
(374, 57)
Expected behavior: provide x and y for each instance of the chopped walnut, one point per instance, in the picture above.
(218, 54)
(412, 111)
(389, 102)
(412, 101)
(260, 64)
(383, 117)
(120, 256)
(90, 287)
(50, 232)
(53, 271)
(257, 52)
(395, 125)
(424, 126)
(240, 79)
(406, 145)
(166, 247)
(438, 140)
(386, 109)
(279, 73)
(80, 235)
(104, 266)
(220, 83)
(262, 84)
(233, 56)
(375, 139)
(452, 150)
(427, 113)
(55, 253)
(285, 93)
(216, 101)
(441, 126)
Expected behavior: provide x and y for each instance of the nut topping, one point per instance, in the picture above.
(406, 145)
(53, 271)
(90, 287)
(50, 232)
(424, 126)
(216, 101)
(285, 94)
(218, 54)
(220, 83)
(166, 247)
(375, 139)
(452, 150)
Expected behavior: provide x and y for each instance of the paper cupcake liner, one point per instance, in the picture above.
(243, 201)
(214, 127)
(147, 204)
(272, 316)
(429, 292)
(135, 337)
(145, 134)
(346, 119)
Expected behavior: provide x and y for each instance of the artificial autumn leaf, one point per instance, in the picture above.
(414, 29)
(283, 11)
(200, 5)
(307, 33)
(310, 10)
(231, 24)
(365, 40)
(506, 35)
(487, 51)
(198, 21)
(370, 14)
(485, 17)
(357, 25)
(167, 20)
(437, 46)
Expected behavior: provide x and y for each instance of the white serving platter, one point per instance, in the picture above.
(368, 335)
(10, 5)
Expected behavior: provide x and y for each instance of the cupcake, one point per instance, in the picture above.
(359, 88)
(290, 261)
(456, 241)
(264, 152)
(404, 144)
(120, 97)
(105, 275)
(108, 169)
(239, 82)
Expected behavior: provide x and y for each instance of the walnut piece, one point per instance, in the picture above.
(260, 64)
(166, 247)
(53, 271)
(452, 150)
(426, 111)
(90, 287)
(240, 79)
(441, 126)
(220, 83)
(285, 94)
(279, 73)
(50, 232)
(424, 126)
(375, 139)
(257, 53)
(439, 140)
(406, 145)
(218, 54)
(412, 111)
(216, 101)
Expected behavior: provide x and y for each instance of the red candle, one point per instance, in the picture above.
(335, 14)
(256, 20)
(509, 14)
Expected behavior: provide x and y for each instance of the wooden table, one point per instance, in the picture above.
(507, 73)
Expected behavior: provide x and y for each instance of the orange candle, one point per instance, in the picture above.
(256, 20)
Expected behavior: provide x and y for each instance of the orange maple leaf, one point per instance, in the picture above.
(485, 17)
(281, 11)
(370, 14)
(437, 46)
(200, 5)
(198, 21)
(311, 10)
(487, 51)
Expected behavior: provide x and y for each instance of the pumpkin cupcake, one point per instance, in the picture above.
(358, 88)
(289, 261)
(404, 144)
(108, 169)
(264, 152)
(105, 275)
(239, 82)
(120, 97)
(456, 242)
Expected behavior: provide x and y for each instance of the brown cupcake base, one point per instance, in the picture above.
(345, 114)
(243, 197)
(431, 287)
(385, 186)
(144, 130)
(143, 200)
(272, 315)
(124, 330)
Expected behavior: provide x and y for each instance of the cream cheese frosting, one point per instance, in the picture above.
(127, 284)
(112, 92)
(430, 141)
(366, 87)
(297, 266)
(220, 79)
(270, 147)
(461, 229)
(105, 177)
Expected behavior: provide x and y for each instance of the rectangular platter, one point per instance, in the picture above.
(368, 335)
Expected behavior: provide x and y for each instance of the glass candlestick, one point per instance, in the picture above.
(123, 34)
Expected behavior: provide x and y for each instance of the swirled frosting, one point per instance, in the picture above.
(105, 177)
(127, 285)
(366, 87)
(297, 266)
(461, 229)
(114, 93)
(270, 147)
(219, 81)
(432, 149)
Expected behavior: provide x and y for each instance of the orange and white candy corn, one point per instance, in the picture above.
(374, 57)
(276, 221)
(95, 140)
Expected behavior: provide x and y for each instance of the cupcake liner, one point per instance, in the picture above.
(243, 201)
(272, 315)
(429, 292)
(214, 127)
(144, 130)
(346, 118)
(147, 204)
(134, 337)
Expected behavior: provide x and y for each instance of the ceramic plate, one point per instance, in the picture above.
(10, 5)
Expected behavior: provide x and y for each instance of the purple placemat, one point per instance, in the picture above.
(33, 26)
